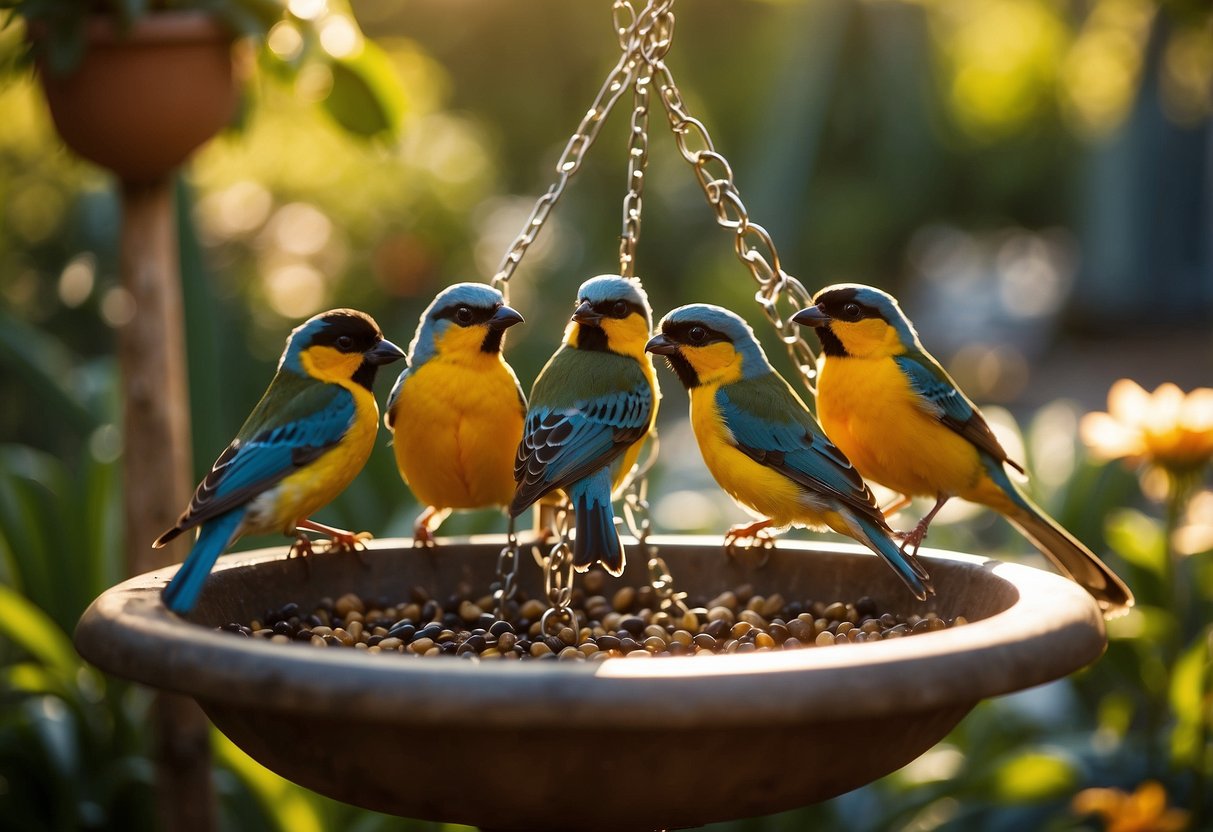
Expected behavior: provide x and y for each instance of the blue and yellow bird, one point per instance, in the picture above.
(763, 445)
(906, 425)
(456, 411)
(304, 442)
(590, 410)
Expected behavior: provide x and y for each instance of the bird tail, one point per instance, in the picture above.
(596, 538)
(183, 590)
(870, 533)
(1065, 551)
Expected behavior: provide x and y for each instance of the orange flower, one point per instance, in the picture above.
(1143, 811)
(1165, 428)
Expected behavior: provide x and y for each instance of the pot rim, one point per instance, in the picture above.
(155, 28)
(1053, 629)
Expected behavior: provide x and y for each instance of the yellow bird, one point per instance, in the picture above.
(901, 419)
(305, 441)
(761, 443)
(591, 408)
(456, 411)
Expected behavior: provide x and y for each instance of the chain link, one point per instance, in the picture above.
(558, 577)
(627, 24)
(636, 518)
(654, 33)
(638, 158)
(777, 290)
(507, 573)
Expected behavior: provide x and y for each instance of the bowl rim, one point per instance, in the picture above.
(1051, 630)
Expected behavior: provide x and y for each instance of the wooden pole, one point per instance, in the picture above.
(158, 472)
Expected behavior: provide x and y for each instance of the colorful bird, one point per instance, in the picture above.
(763, 445)
(906, 425)
(590, 410)
(456, 411)
(304, 442)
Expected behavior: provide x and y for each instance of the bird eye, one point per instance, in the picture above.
(697, 335)
(851, 311)
(620, 309)
(345, 343)
(463, 315)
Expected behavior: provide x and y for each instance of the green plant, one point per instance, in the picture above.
(364, 95)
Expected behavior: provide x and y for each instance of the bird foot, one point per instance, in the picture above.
(426, 525)
(758, 540)
(348, 541)
(302, 549)
(912, 539)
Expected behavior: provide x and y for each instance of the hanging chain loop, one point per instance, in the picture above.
(779, 294)
(627, 23)
(558, 577)
(507, 573)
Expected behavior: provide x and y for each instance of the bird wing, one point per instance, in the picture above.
(771, 425)
(940, 396)
(586, 409)
(295, 422)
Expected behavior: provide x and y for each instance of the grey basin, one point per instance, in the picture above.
(616, 745)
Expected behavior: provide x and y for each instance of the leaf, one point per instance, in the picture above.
(28, 678)
(290, 805)
(1188, 696)
(1138, 539)
(34, 632)
(366, 97)
(1032, 776)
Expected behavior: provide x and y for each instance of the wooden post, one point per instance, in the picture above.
(158, 472)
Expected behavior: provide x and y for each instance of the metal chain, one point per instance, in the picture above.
(653, 38)
(627, 23)
(558, 578)
(627, 27)
(636, 517)
(779, 294)
(507, 573)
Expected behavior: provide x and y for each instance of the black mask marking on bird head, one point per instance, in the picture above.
(690, 334)
(842, 305)
(350, 331)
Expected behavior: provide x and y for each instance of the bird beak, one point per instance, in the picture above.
(661, 345)
(813, 316)
(504, 318)
(385, 352)
(585, 314)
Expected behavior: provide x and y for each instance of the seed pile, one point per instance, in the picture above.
(629, 624)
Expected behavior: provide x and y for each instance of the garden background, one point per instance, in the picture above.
(1034, 180)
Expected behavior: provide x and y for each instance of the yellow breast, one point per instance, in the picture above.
(757, 488)
(633, 452)
(868, 409)
(315, 485)
(457, 427)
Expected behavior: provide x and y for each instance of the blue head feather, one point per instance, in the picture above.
(304, 335)
(612, 287)
(753, 360)
(881, 302)
(431, 327)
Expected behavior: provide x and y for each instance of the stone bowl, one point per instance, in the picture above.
(615, 745)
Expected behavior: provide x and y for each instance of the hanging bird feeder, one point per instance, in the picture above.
(542, 745)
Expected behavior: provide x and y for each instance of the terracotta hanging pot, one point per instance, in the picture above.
(142, 100)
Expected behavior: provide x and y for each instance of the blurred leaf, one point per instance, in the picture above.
(290, 805)
(1032, 777)
(30, 678)
(43, 365)
(28, 627)
(1189, 702)
(367, 97)
(1138, 539)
